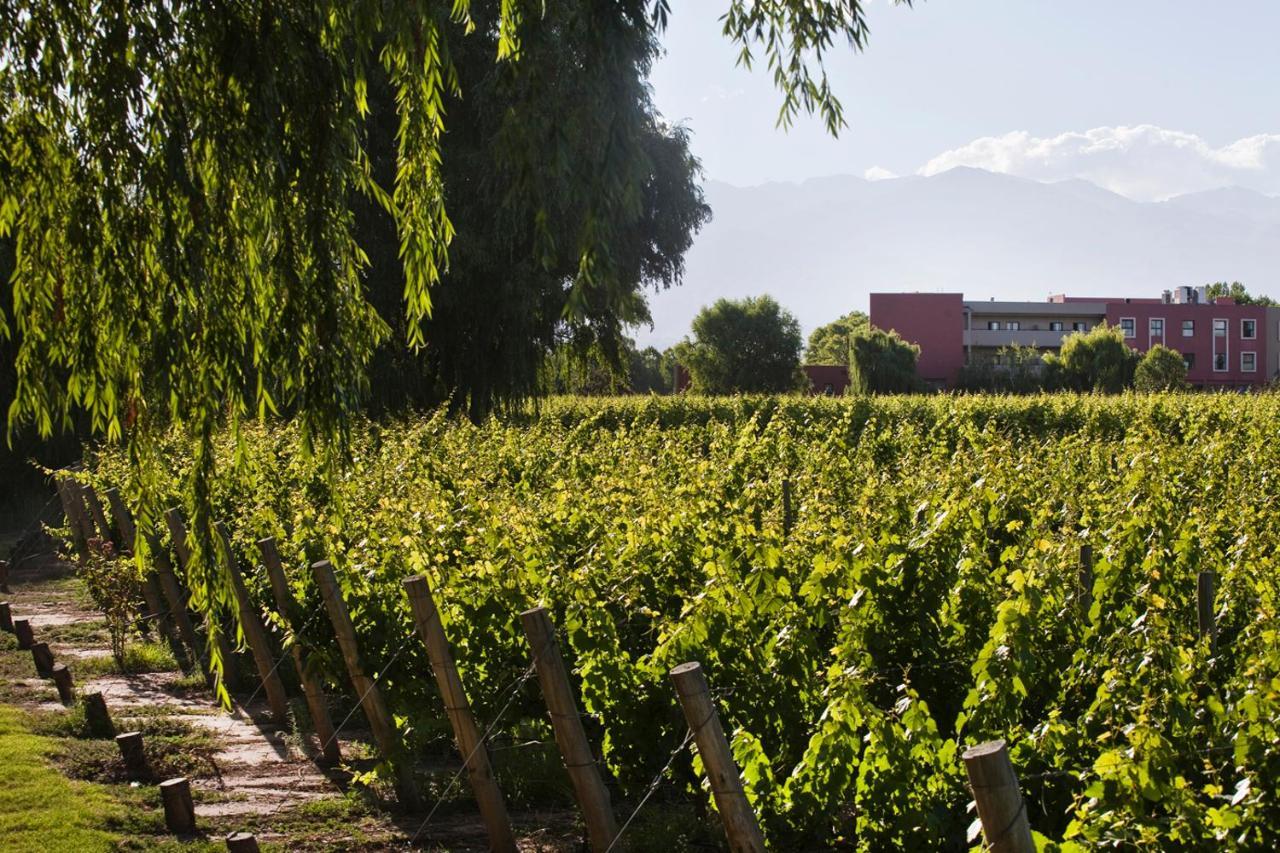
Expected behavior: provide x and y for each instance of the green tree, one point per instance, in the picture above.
(829, 344)
(1237, 292)
(882, 363)
(1160, 369)
(1096, 360)
(743, 346)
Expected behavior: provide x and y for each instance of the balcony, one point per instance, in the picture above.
(1042, 338)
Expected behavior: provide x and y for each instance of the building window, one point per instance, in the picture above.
(1248, 362)
(1128, 325)
(1013, 325)
(993, 325)
(1155, 328)
(1188, 328)
(1249, 329)
(1189, 360)
(1079, 327)
(1219, 328)
(1219, 362)
(1055, 325)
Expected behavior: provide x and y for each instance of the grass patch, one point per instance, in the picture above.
(144, 656)
(40, 809)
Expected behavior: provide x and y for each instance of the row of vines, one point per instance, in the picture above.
(870, 586)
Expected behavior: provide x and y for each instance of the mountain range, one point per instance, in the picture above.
(821, 246)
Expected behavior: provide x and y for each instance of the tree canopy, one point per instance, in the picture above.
(1238, 293)
(1096, 360)
(1160, 369)
(881, 362)
(830, 344)
(743, 346)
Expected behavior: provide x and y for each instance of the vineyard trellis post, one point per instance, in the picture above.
(312, 691)
(177, 605)
(740, 823)
(152, 592)
(124, 519)
(62, 680)
(42, 656)
(135, 757)
(97, 717)
(371, 701)
(255, 634)
(493, 809)
(178, 532)
(22, 630)
(557, 692)
(6, 617)
(98, 514)
(76, 521)
(1206, 590)
(179, 810)
(1001, 808)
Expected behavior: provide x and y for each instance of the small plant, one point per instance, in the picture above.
(115, 587)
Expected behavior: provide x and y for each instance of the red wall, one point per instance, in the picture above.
(1201, 343)
(933, 321)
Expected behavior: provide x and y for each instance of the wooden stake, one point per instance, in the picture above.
(124, 520)
(1000, 805)
(242, 842)
(374, 706)
(62, 680)
(1085, 579)
(43, 658)
(722, 772)
(179, 811)
(177, 603)
(493, 809)
(178, 532)
(256, 635)
(97, 717)
(135, 758)
(287, 606)
(22, 630)
(6, 617)
(1206, 590)
(97, 514)
(4, 577)
(159, 613)
(73, 509)
(579, 761)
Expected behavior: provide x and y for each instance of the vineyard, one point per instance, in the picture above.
(869, 585)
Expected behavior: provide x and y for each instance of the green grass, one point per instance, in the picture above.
(40, 809)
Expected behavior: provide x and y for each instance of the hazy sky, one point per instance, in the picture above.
(1179, 95)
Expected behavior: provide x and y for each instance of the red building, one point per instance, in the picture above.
(1224, 344)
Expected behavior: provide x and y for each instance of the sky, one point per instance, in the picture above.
(1149, 98)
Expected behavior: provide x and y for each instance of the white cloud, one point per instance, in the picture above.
(1147, 163)
(877, 173)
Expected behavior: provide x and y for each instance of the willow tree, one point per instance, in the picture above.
(179, 181)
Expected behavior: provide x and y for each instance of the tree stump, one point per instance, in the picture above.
(62, 680)
(43, 657)
(96, 716)
(6, 617)
(135, 759)
(179, 811)
(242, 842)
(22, 630)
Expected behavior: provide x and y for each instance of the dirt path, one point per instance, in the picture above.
(245, 772)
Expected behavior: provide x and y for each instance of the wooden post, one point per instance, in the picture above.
(1000, 805)
(4, 577)
(97, 514)
(374, 706)
(242, 842)
(96, 716)
(1206, 590)
(43, 659)
(73, 509)
(124, 519)
(722, 772)
(62, 680)
(177, 602)
(178, 532)
(493, 810)
(179, 811)
(287, 606)
(135, 758)
(579, 761)
(6, 617)
(1085, 579)
(256, 635)
(22, 630)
